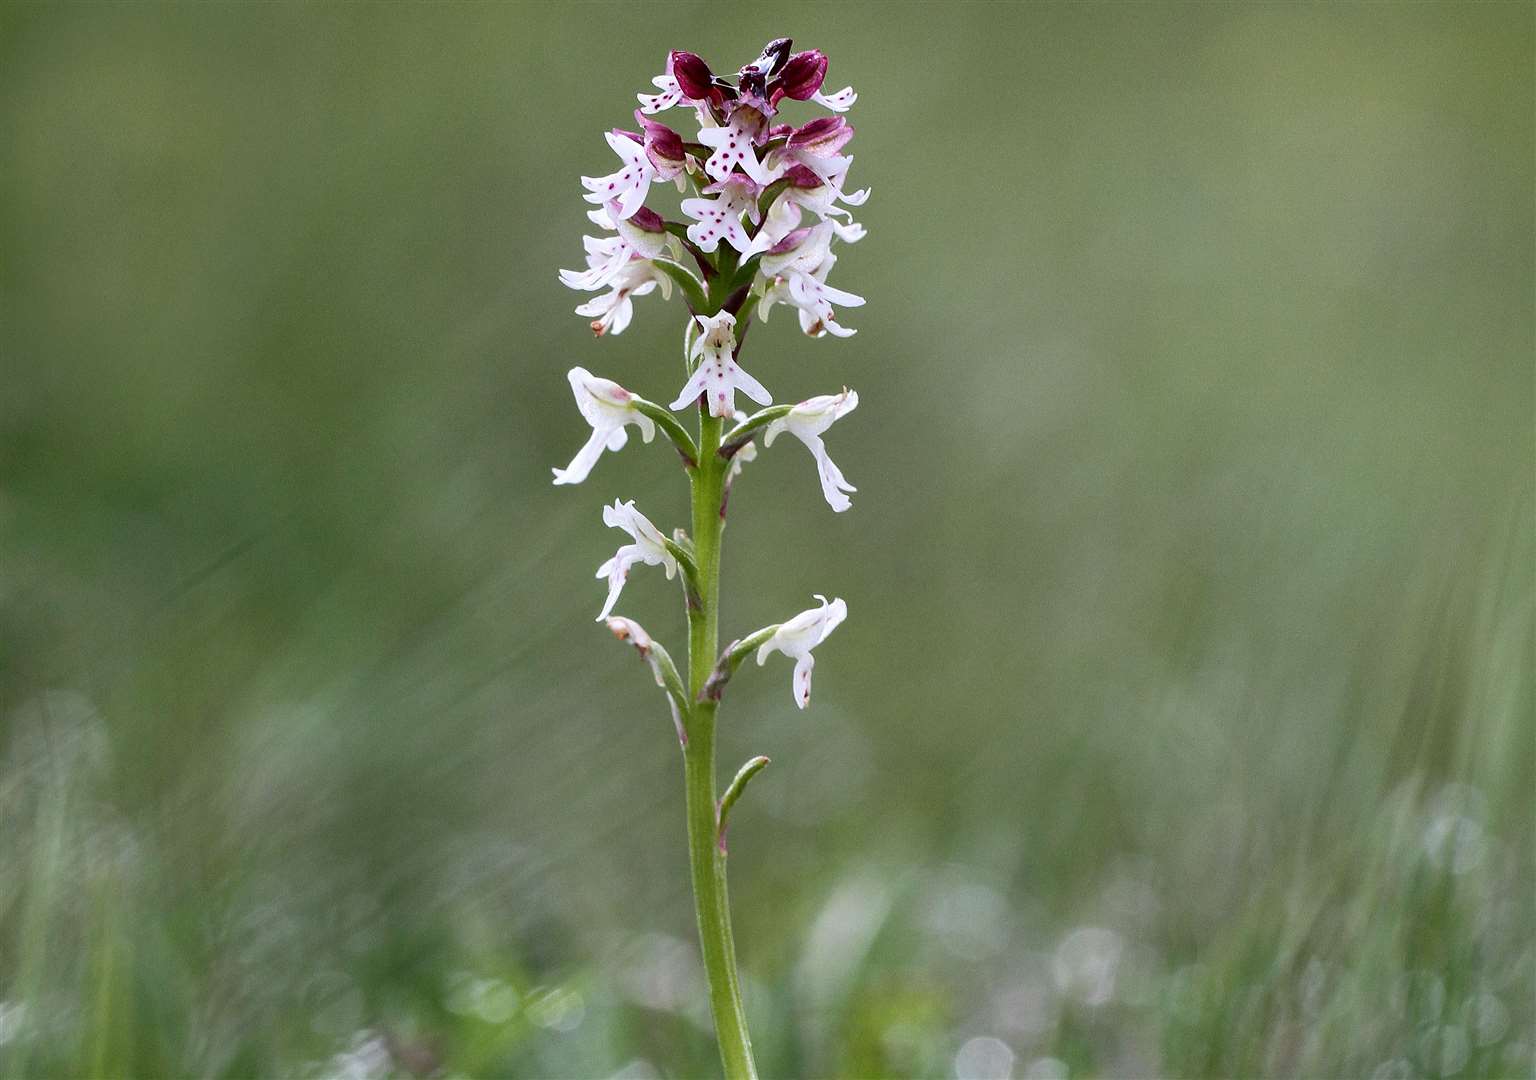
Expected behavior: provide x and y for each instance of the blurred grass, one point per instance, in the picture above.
(1183, 722)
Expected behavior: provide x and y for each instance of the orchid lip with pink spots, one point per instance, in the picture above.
(718, 375)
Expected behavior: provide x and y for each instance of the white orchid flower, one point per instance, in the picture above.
(718, 375)
(796, 269)
(669, 95)
(611, 312)
(649, 547)
(608, 407)
(735, 147)
(797, 637)
(641, 236)
(815, 146)
(626, 187)
(740, 458)
(806, 422)
(720, 219)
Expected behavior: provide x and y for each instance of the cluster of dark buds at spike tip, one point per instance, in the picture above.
(755, 181)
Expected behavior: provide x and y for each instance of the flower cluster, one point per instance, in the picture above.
(766, 201)
(774, 193)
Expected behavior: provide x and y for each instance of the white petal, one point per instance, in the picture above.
(836, 612)
(691, 390)
(751, 387)
(801, 686)
(633, 199)
(586, 457)
(833, 483)
(850, 232)
(615, 587)
(839, 102)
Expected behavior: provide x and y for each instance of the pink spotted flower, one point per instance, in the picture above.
(718, 375)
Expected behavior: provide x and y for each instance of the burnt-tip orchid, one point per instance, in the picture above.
(640, 236)
(797, 637)
(809, 191)
(608, 407)
(718, 376)
(649, 547)
(797, 269)
(764, 207)
(663, 148)
(720, 218)
(807, 422)
(816, 146)
(625, 189)
(735, 146)
(611, 312)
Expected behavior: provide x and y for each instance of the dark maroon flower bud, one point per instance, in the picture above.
(780, 131)
(802, 76)
(754, 78)
(823, 136)
(692, 74)
(648, 220)
(662, 145)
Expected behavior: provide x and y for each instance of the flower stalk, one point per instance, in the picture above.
(751, 179)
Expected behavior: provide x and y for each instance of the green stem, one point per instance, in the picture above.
(705, 856)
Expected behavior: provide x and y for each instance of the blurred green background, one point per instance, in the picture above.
(1183, 720)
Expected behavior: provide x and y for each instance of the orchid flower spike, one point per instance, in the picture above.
(718, 376)
(806, 422)
(770, 201)
(607, 406)
(758, 174)
(650, 548)
(797, 637)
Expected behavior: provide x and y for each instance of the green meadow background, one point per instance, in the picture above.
(1182, 724)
